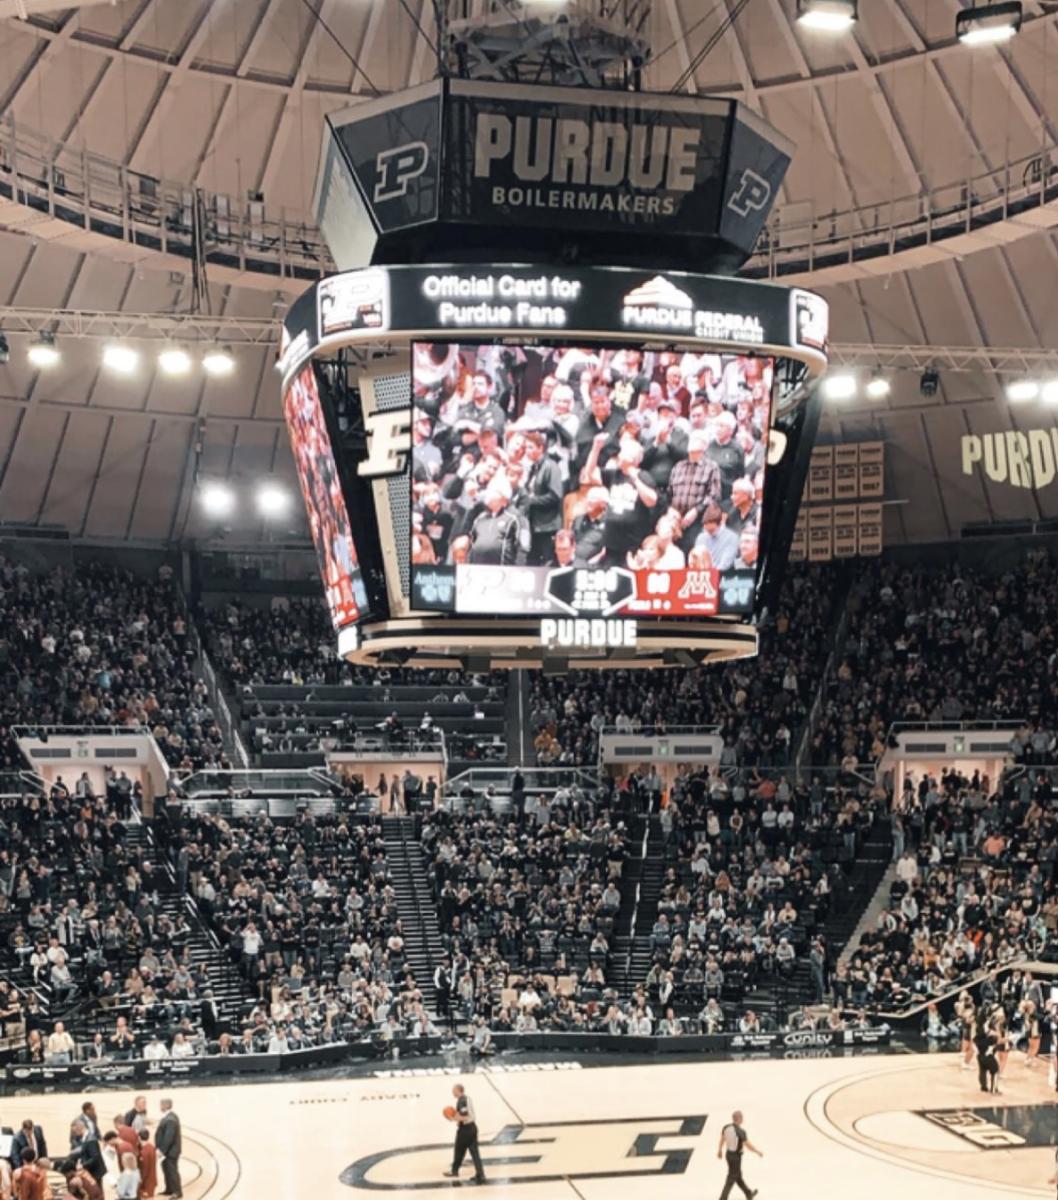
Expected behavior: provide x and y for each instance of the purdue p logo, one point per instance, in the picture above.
(388, 442)
(753, 194)
(629, 1148)
(398, 167)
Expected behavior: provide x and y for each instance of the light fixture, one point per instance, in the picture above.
(1049, 392)
(987, 24)
(877, 387)
(5, 350)
(219, 361)
(829, 16)
(928, 382)
(174, 360)
(272, 500)
(217, 499)
(839, 387)
(43, 352)
(1022, 389)
(122, 359)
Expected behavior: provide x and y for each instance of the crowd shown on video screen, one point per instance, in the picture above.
(578, 457)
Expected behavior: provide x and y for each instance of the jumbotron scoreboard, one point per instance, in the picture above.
(526, 433)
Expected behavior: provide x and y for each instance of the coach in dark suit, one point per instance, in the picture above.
(30, 1137)
(85, 1150)
(169, 1142)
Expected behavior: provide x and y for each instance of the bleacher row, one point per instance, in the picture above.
(748, 884)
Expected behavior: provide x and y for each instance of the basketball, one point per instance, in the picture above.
(449, 1112)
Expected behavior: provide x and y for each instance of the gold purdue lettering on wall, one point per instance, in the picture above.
(1024, 460)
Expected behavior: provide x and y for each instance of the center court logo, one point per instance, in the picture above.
(1009, 1146)
(627, 1148)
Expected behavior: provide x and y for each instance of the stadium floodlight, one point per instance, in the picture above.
(122, 359)
(217, 499)
(839, 387)
(987, 24)
(1020, 390)
(272, 500)
(878, 387)
(828, 16)
(219, 361)
(43, 352)
(1049, 392)
(174, 360)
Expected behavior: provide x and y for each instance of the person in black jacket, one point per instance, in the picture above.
(168, 1140)
(541, 499)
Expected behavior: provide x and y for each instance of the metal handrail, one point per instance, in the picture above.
(662, 731)
(34, 731)
(1012, 723)
(551, 777)
(825, 239)
(107, 198)
(968, 982)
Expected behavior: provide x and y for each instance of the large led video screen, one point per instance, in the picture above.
(587, 480)
(332, 534)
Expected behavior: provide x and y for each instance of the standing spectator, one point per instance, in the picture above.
(168, 1140)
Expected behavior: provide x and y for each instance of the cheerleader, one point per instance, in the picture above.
(1002, 1036)
(1030, 1021)
(967, 1018)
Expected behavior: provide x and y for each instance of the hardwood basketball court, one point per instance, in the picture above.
(915, 1127)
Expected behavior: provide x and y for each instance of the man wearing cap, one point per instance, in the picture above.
(541, 499)
(726, 453)
(482, 404)
(496, 533)
(667, 449)
(741, 510)
(721, 543)
(693, 485)
(589, 529)
(436, 523)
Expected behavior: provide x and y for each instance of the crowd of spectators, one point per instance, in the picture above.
(974, 887)
(81, 925)
(534, 893)
(760, 704)
(947, 643)
(97, 645)
(306, 910)
(579, 457)
(756, 864)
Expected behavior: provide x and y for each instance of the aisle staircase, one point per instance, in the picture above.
(230, 990)
(422, 935)
(640, 890)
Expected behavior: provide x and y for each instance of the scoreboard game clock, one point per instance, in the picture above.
(513, 459)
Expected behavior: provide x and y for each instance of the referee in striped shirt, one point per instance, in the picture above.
(733, 1140)
(466, 1136)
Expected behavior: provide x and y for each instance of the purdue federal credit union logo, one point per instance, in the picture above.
(545, 1152)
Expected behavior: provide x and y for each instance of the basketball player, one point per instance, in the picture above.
(466, 1136)
(733, 1141)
